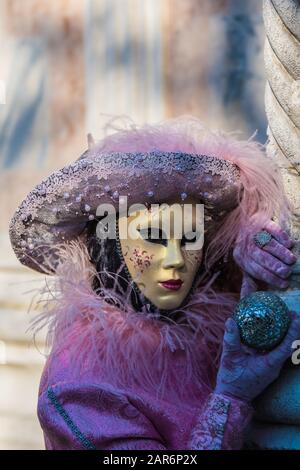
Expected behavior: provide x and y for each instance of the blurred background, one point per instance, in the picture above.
(64, 66)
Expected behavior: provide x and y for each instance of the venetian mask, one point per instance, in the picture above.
(162, 248)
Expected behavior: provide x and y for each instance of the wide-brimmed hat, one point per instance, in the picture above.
(58, 209)
(170, 161)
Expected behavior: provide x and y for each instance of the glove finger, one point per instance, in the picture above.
(277, 232)
(263, 274)
(232, 340)
(271, 263)
(280, 252)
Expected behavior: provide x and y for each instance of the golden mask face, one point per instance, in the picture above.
(162, 266)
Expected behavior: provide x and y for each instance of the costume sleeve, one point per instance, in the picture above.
(78, 417)
(221, 424)
(89, 417)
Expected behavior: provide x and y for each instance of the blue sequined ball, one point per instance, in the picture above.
(263, 320)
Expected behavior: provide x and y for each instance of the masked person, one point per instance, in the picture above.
(139, 358)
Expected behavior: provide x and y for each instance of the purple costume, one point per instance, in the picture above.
(91, 412)
(122, 378)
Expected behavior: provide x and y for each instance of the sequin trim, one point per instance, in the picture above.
(74, 429)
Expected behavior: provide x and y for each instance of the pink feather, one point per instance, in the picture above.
(136, 347)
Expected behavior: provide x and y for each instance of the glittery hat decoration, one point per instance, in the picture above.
(153, 164)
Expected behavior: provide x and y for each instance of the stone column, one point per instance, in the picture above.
(282, 101)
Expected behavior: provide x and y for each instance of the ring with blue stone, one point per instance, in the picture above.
(263, 320)
(262, 238)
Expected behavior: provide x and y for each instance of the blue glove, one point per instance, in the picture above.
(244, 373)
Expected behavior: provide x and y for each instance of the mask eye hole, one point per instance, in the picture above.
(153, 235)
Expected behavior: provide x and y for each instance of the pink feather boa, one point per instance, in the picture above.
(133, 349)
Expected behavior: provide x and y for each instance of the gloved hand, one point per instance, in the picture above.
(271, 264)
(244, 373)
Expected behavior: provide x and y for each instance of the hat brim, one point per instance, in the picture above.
(58, 209)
